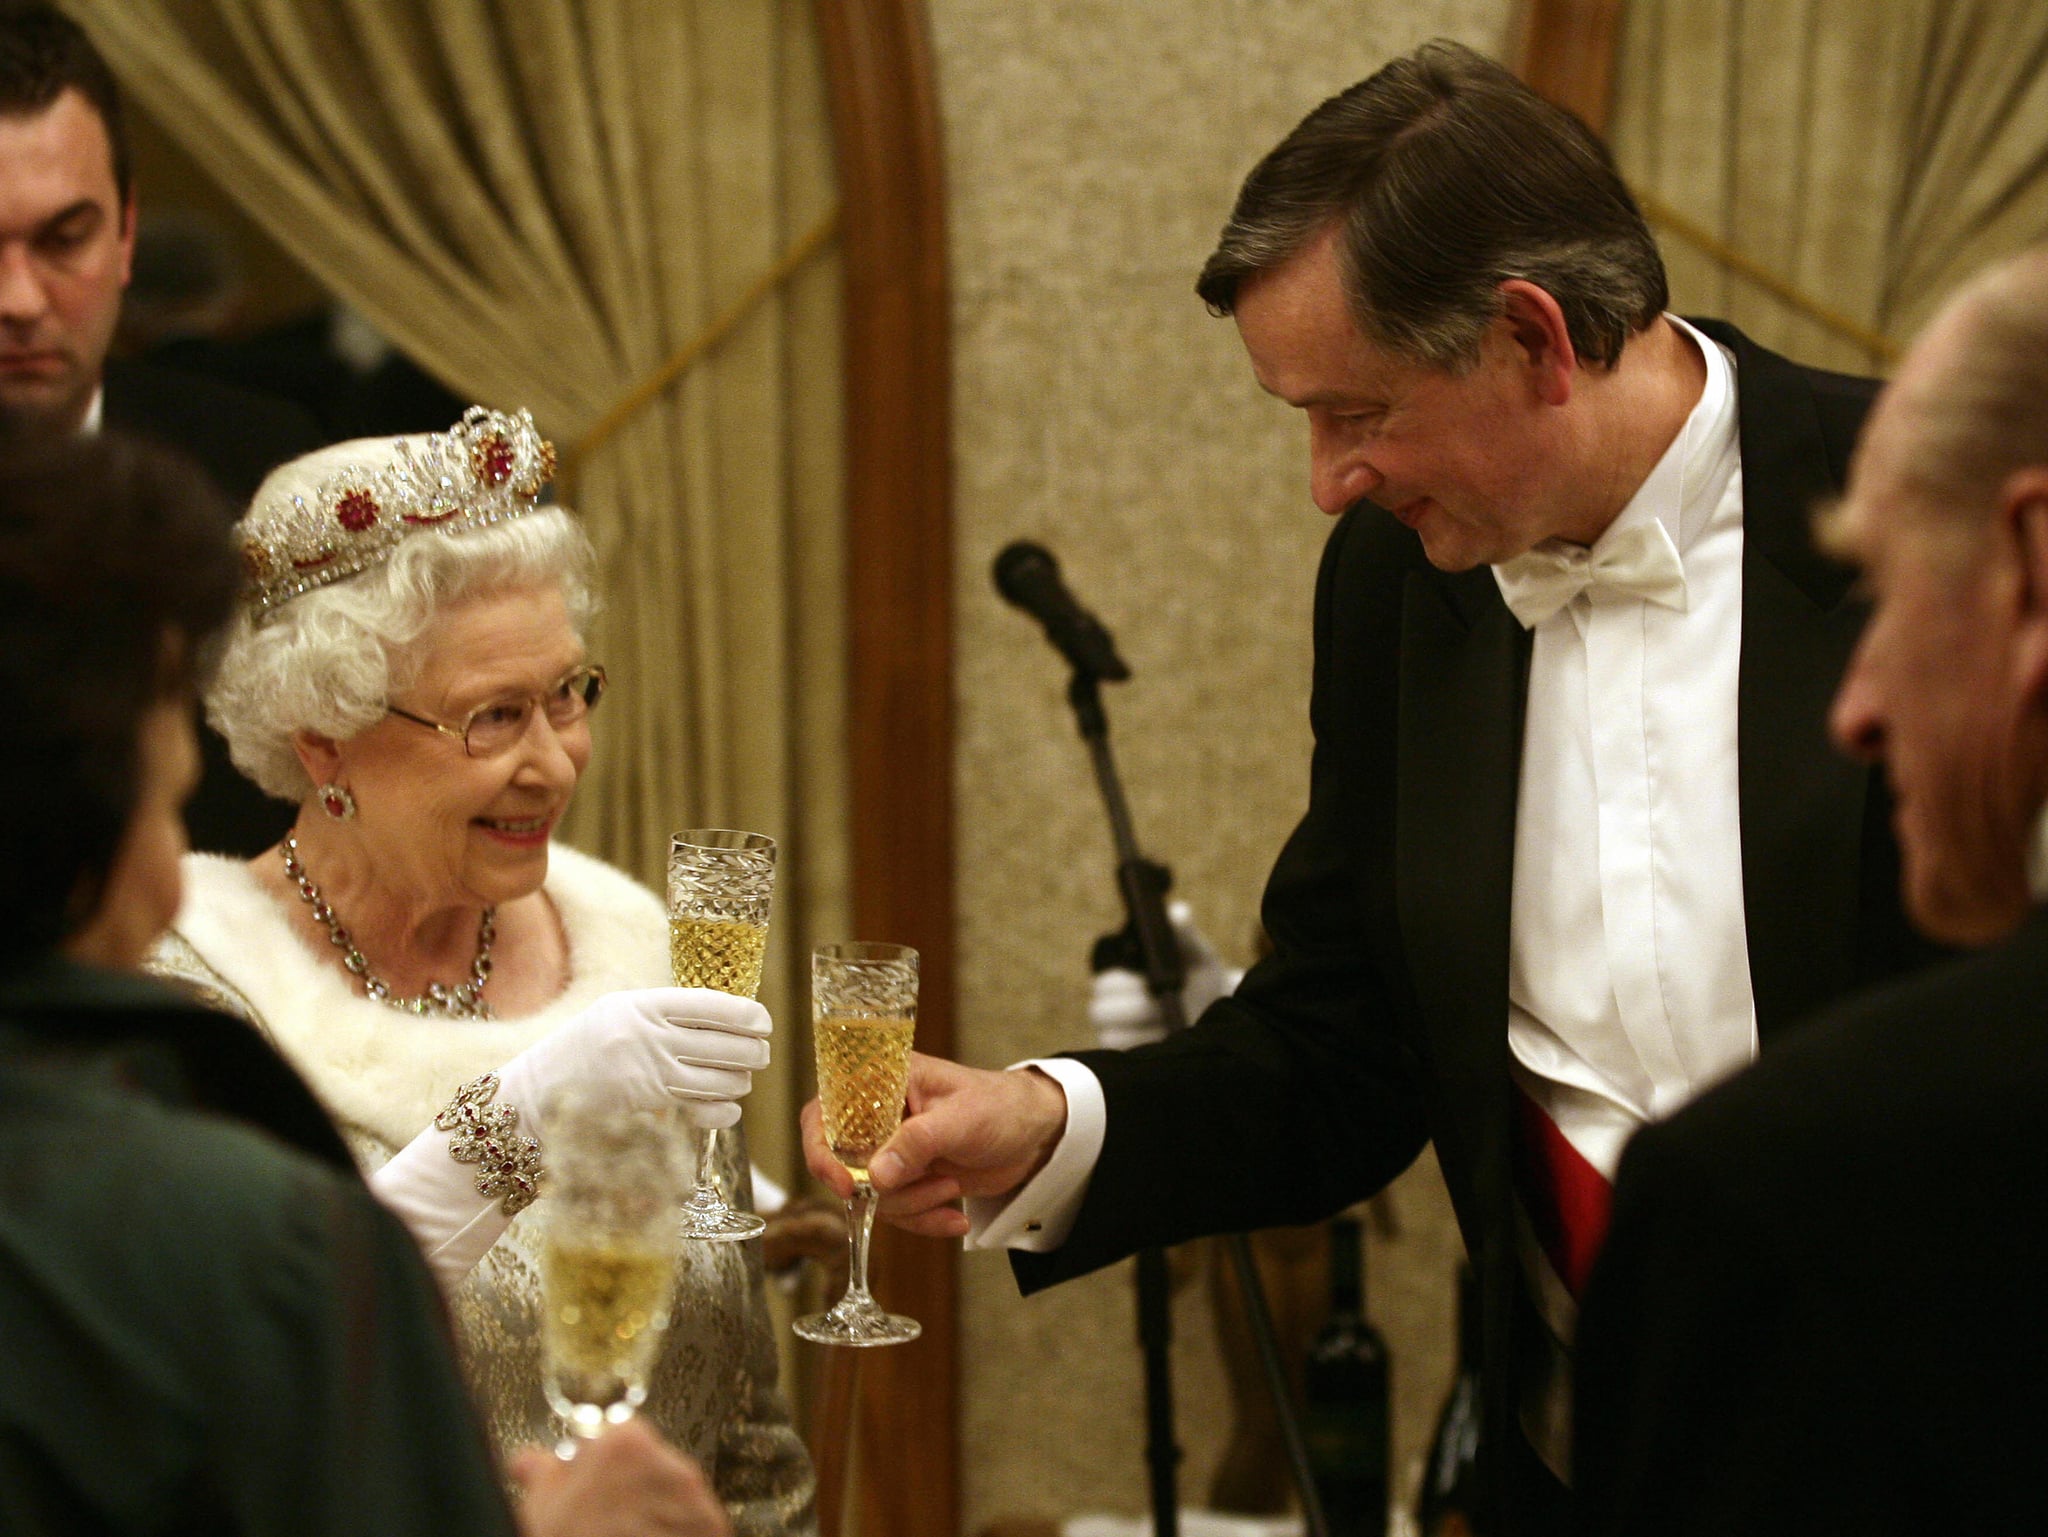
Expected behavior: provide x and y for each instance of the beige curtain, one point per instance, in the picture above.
(1870, 155)
(541, 201)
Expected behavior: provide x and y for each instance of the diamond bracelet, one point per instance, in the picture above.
(487, 1135)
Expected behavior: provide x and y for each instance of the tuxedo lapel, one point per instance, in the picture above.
(1464, 682)
(1802, 802)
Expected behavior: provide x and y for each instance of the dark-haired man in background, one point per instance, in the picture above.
(67, 234)
(1820, 1306)
(1576, 844)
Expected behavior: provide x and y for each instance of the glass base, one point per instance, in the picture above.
(846, 1325)
(723, 1225)
(586, 1422)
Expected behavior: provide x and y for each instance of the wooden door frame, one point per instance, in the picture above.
(898, 361)
(1566, 50)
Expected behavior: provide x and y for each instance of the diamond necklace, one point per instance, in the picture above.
(465, 1000)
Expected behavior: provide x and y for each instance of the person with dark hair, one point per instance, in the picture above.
(1576, 846)
(207, 1323)
(115, 568)
(67, 222)
(1443, 178)
(67, 243)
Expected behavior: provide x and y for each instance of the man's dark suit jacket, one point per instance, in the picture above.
(1380, 1020)
(1823, 1305)
(237, 438)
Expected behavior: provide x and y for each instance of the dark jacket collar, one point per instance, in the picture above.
(51, 990)
(180, 1051)
(1795, 426)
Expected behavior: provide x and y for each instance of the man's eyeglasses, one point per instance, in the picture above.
(498, 726)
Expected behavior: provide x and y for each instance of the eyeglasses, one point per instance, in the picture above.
(498, 726)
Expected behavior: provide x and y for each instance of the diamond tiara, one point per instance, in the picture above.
(329, 515)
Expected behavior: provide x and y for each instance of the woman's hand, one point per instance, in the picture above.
(651, 1047)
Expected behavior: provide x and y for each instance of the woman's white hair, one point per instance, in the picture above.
(330, 660)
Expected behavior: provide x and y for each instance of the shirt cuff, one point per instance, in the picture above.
(1039, 1216)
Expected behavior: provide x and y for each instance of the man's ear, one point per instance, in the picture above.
(319, 756)
(2023, 509)
(1536, 325)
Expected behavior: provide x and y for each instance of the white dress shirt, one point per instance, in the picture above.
(1628, 960)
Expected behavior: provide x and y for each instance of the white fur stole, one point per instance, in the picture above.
(387, 1073)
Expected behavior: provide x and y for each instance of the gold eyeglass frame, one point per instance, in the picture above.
(594, 684)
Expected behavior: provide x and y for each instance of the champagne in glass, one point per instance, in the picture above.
(718, 953)
(863, 1016)
(719, 885)
(608, 1261)
(863, 1075)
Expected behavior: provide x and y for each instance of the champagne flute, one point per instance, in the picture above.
(863, 1015)
(608, 1255)
(719, 884)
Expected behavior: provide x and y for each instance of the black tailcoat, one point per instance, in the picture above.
(1821, 1305)
(1380, 1021)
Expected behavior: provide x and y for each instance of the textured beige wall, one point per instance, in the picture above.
(1093, 148)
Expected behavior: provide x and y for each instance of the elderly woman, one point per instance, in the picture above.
(207, 1324)
(409, 667)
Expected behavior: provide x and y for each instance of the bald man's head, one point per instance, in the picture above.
(1947, 514)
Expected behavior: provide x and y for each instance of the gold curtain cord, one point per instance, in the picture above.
(1878, 345)
(727, 321)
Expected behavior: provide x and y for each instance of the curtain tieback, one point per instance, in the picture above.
(1878, 345)
(723, 325)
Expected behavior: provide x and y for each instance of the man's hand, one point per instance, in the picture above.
(967, 1131)
(626, 1483)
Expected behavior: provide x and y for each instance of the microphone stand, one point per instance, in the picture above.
(1144, 884)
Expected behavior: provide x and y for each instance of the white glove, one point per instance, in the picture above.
(650, 1048)
(657, 1046)
(1122, 1009)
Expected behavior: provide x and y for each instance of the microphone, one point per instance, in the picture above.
(1028, 576)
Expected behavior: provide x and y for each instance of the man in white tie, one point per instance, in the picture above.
(1575, 844)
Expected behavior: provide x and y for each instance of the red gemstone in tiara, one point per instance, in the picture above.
(356, 511)
(495, 459)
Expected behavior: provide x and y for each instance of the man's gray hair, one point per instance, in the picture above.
(331, 660)
(1985, 413)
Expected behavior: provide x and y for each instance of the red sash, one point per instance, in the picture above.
(1568, 1200)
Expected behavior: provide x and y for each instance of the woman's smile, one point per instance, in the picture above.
(520, 832)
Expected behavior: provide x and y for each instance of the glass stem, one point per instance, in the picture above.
(706, 1197)
(860, 1227)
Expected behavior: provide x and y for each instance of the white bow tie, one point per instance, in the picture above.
(1638, 562)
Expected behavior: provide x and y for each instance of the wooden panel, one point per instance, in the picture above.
(1566, 50)
(900, 566)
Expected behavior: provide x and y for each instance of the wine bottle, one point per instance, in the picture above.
(1449, 1501)
(1345, 1393)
